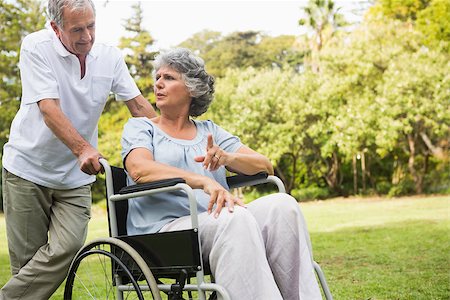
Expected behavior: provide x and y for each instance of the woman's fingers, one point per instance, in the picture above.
(215, 161)
(220, 203)
(209, 157)
(221, 199)
(210, 142)
(214, 157)
(240, 202)
(212, 200)
(230, 202)
(199, 158)
(211, 160)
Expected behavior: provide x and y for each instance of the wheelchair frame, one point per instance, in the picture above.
(129, 263)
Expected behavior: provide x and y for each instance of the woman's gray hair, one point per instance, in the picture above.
(56, 7)
(192, 69)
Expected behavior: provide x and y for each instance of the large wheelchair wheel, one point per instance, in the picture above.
(110, 269)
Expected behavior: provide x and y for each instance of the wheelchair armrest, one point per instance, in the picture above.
(237, 181)
(151, 185)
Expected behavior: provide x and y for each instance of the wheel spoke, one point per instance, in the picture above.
(104, 266)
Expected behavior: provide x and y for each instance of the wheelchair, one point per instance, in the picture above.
(145, 266)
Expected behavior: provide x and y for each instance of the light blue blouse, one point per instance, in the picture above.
(149, 214)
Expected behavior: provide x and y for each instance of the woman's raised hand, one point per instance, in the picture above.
(219, 196)
(215, 156)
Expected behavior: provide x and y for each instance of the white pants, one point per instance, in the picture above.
(258, 252)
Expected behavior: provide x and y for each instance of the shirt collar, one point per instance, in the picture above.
(61, 50)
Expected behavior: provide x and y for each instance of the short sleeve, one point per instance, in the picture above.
(223, 138)
(38, 80)
(137, 133)
(124, 85)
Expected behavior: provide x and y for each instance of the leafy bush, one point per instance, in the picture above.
(437, 181)
(99, 189)
(384, 187)
(310, 193)
(405, 187)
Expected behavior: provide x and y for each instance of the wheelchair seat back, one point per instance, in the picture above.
(168, 253)
(119, 178)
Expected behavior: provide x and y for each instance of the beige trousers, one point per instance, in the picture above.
(258, 252)
(45, 228)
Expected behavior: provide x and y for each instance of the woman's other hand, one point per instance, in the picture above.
(220, 197)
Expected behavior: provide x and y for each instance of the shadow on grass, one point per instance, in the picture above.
(408, 260)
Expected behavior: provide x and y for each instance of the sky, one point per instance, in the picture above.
(171, 22)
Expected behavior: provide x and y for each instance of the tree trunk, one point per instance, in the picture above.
(363, 171)
(289, 180)
(355, 176)
(418, 180)
(332, 176)
(281, 175)
(438, 152)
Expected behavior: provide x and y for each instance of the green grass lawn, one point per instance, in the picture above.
(383, 248)
(368, 248)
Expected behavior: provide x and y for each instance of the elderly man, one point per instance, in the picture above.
(50, 160)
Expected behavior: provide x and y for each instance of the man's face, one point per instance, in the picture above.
(78, 31)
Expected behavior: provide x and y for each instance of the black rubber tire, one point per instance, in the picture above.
(99, 284)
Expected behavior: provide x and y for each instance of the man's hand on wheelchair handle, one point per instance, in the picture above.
(89, 161)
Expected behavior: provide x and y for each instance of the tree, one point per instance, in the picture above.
(262, 108)
(403, 10)
(419, 102)
(244, 49)
(431, 17)
(17, 19)
(202, 42)
(395, 102)
(280, 52)
(322, 18)
(378, 106)
(235, 50)
(139, 54)
(434, 23)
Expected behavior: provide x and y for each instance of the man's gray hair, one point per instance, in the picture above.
(56, 7)
(192, 69)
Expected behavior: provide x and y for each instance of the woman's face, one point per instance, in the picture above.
(170, 90)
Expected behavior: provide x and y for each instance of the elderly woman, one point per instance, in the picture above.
(258, 251)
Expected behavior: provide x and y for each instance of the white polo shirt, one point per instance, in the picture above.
(48, 70)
